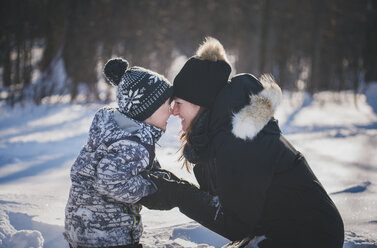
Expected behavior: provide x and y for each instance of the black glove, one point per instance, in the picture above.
(159, 172)
(196, 204)
(167, 195)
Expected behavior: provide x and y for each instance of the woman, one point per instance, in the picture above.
(253, 183)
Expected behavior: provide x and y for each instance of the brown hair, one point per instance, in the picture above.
(184, 140)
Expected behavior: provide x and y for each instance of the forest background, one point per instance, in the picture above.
(58, 48)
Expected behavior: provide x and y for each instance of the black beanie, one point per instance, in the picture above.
(204, 75)
(140, 92)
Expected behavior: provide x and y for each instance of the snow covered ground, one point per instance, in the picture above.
(38, 144)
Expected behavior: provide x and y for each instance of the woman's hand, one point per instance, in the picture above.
(164, 198)
(164, 173)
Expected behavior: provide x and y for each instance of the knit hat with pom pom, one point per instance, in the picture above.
(203, 75)
(140, 92)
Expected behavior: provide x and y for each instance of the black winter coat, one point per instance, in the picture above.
(265, 187)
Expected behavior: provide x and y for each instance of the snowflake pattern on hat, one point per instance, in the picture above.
(132, 98)
(153, 79)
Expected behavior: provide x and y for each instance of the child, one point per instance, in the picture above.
(107, 176)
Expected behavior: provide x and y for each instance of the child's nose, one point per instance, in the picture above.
(174, 111)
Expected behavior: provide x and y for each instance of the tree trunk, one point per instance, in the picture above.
(370, 52)
(7, 63)
(315, 76)
(264, 36)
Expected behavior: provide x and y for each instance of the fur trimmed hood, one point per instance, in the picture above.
(253, 117)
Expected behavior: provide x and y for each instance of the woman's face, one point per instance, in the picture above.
(186, 111)
(160, 117)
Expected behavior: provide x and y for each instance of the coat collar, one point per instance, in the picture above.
(254, 116)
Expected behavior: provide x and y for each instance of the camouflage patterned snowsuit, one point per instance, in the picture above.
(102, 208)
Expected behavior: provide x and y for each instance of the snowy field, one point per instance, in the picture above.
(38, 144)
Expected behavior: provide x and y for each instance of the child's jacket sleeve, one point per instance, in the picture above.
(118, 172)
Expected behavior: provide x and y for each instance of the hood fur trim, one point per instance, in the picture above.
(252, 118)
(212, 50)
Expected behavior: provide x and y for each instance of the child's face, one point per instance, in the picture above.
(160, 117)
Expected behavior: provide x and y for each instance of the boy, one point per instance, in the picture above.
(107, 176)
